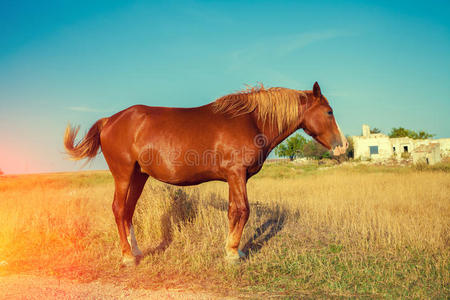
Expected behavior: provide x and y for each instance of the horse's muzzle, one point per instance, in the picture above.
(340, 148)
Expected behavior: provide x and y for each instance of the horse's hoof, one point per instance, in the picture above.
(232, 259)
(129, 261)
(235, 257)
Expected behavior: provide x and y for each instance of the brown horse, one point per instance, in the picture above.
(228, 140)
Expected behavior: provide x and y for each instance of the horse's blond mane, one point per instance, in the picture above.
(278, 106)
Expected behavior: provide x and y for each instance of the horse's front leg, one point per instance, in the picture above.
(238, 213)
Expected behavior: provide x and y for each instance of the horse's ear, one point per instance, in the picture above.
(316, 90)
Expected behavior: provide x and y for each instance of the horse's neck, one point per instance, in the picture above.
(272, 134)
(277, 138)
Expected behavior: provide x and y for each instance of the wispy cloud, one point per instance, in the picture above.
(276, 47)
(299, 41)
(86, 109)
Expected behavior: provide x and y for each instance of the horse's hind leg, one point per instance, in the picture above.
(137, 184)
(122, 183)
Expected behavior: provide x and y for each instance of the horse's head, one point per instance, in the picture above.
(319, 123)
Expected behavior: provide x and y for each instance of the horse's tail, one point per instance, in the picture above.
(88, 146)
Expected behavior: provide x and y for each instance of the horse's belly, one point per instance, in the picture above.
(179, 174)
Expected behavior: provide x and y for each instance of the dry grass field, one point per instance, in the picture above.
(316, 232)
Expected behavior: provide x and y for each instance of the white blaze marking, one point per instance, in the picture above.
(133, 243)
(341, 149)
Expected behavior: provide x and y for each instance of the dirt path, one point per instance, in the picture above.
(34, 287)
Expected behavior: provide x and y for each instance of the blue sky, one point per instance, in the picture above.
(385, 64)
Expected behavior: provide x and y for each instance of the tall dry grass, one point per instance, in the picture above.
(341, 231)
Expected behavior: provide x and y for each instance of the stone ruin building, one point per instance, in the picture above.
(380, 147)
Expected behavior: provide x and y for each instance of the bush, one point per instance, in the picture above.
(406, 155)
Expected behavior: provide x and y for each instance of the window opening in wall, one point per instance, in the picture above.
(373, 150)
(405, 148)
(393, 148)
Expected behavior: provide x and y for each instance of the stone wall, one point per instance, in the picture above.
(403, 146)
(444, 145)
(429, 154)
(362, 146)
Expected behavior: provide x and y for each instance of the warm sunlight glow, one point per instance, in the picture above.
(19, 158)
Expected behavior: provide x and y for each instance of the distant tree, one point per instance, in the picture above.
(400, 132)
(350, 153)
(292, 147)
(397, 132)
(375, 130)
(315, 150)
(424, 135)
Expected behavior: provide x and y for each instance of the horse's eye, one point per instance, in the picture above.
(330, 113)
